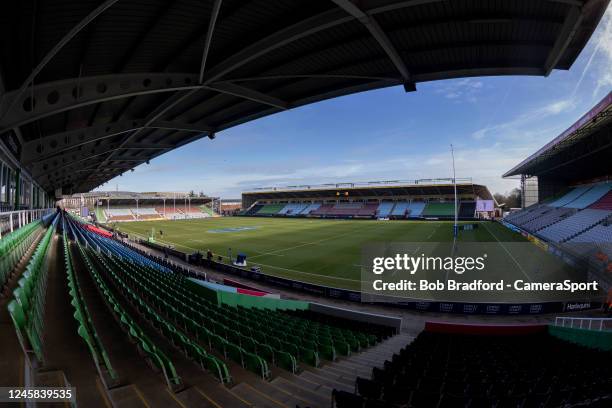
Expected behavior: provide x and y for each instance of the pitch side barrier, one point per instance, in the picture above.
(355, 296)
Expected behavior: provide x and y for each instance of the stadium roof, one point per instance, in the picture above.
(91, 89)
(583, 139)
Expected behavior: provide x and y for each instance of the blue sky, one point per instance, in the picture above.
(493, 122)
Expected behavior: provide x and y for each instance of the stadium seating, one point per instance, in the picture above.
(367, 210)
(604, 203)
(550, 217)
(591, 196)
(322, 209)
(527, 214)
(100, 216)
(28, 304)
(146, 213)
(270, 209)
(86, 329)
(384, 209)
(119, 214)
(207, 210)
(467, 209)
(574, 225)
(310, 208)
(400, 209)
(415, 209)
(570, 196)
(599, 234)
(460, 370)
(193, 212)
(445, 210)
(344, 209)
(293, 209)
(196, 326)
(253, 209)
(135, 332)
(13, 247)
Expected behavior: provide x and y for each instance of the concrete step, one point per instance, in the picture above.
(257, 398)
(194, 397)
(127, 396)
(282, 395)
(293, 388)
(310, 376)
(221, 396)
(365, 361)
(316, 386)
(346, 372)
(333, 376)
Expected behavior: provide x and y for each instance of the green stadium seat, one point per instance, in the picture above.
(285, 360)
(257, 365)
(235, 353)
(327, 352)
(309, 356)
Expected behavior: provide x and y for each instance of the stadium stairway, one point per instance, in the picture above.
(139, 386)
(314, 385)
(63, 349)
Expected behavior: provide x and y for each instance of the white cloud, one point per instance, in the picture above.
(557, 107)
(466, 89)
(524, 123)
(604, 42)
(601, 58)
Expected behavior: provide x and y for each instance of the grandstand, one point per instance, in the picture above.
(111, 207)
(89, 90)
(189, 331)
(416, 199)
(573, 215)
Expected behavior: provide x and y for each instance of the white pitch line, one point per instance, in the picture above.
(508, 252)
(305, 244)
(305, 273)
(433, 231)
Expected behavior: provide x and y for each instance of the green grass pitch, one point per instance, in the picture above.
(326, 252)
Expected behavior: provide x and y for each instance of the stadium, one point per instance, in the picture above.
(420, 292)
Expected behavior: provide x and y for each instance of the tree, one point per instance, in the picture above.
(511, 199)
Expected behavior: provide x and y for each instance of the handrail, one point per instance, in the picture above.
(13, 220)
(604, 323)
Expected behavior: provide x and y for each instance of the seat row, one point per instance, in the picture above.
(460, 370)
(135, 294)
(27, 307)
(153, 354)
(251, 337)
(86, 328)
(13, 246)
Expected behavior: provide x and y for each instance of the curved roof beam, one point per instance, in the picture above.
(381, 38)
(53, 145)
(63, 41)
(209, 35)
(59, 96)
